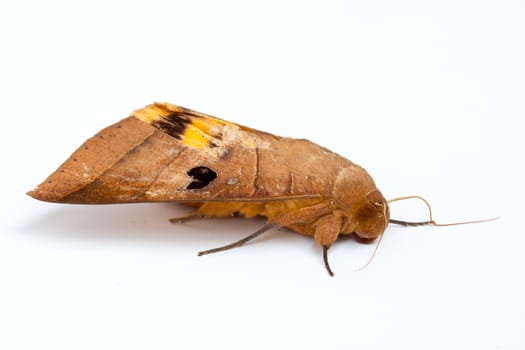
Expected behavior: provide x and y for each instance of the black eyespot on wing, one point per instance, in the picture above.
(202, 177)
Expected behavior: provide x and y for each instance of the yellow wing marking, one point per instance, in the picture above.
(194, 129)
(151, 113)
(196, 137)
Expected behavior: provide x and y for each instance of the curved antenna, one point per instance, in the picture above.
(431, 220)
(415, 223)
(373, 254)
(377, 245)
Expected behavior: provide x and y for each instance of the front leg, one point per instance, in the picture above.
(326, 231)
(321, 220)
(303, 216)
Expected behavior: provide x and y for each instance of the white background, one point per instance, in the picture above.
(427, 96)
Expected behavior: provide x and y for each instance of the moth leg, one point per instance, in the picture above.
(186, 218)
(326, 231)
(239, 243)
(325, 259)
(303, 215)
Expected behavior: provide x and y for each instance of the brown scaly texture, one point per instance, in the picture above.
(151, 156)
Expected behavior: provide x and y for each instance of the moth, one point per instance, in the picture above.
(167, 153)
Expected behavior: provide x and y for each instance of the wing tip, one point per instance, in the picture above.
(44, 196)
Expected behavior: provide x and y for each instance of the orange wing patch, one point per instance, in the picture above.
(194, 129)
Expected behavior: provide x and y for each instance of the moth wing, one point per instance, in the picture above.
(165, 152)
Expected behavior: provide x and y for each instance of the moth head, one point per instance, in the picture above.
(365, 209)
(371, 217)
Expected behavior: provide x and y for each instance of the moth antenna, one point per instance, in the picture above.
(431, 220)
(373, 254)
(239, 243)
(376, 247)
(408, 223)
(325, 259)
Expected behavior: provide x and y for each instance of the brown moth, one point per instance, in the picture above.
(167, 153)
